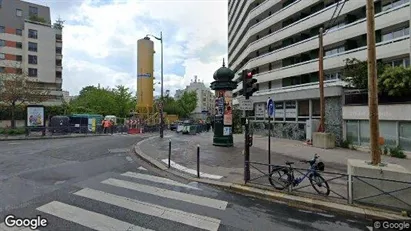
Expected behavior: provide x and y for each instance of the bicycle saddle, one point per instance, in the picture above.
(289, 163)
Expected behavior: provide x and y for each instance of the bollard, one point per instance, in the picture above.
(198, 160)
(169, 153)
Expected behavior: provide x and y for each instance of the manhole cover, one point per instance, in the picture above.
(119, 150)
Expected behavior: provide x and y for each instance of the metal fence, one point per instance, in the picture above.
(351, 189)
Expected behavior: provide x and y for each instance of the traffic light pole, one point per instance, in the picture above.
(246, 149)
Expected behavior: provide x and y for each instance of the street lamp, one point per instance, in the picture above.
(161, 97)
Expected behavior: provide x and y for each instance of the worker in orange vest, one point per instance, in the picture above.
(106, 125)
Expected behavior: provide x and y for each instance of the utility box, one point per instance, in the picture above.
(311, 127)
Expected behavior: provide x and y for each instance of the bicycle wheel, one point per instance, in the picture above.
(280, 178)
(319, 184)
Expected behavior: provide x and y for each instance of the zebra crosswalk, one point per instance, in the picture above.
(166, 195)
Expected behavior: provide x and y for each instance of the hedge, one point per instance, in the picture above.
(20, 112)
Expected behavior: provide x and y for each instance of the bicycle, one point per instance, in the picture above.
(316, 180)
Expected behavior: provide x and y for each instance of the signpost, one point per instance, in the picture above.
(246, 104)
(270, 112)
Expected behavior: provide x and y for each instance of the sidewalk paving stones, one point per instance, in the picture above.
(229, 162)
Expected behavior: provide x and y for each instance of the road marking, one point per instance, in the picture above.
(191, 171)
(87, 218)
(13, 143)
(157, 179)
(204, 201)
(370, 228)
(3, 227)
(191, 219)
(142, 168)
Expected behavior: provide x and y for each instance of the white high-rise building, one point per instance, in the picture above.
(279, 40)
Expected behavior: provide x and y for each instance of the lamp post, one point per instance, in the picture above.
(162, 85)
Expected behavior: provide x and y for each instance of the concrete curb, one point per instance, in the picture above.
(368, 213)
(48, 137)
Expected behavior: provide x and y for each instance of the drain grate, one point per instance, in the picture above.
(119, 150)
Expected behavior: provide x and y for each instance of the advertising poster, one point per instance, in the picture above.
(219, 103)
(35, 116)
(228, 110)
(227, 131)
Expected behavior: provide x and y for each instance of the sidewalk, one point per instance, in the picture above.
(67, 136)
(224, 167)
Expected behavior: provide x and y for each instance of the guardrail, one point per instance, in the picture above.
(342, 187)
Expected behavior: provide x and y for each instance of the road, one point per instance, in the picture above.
(99, 184)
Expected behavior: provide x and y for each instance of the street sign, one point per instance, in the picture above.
(246, 104)
(270, 107)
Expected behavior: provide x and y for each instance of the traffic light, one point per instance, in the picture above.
(249, 84)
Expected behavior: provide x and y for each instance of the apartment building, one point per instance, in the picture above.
(205, 98)
(29, 43)
(279, 40)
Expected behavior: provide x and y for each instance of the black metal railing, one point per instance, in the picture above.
(343, 187)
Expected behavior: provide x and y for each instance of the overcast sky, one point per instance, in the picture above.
(100, 40)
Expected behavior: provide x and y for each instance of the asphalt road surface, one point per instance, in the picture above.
(98, 184)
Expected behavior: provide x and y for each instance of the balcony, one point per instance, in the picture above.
(294, 28)
(59, 56)
(269, 21)
(59, 68)
(382, 20)
(387, 49)
(254, 13)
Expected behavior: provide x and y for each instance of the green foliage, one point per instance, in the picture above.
(8, 131)
(36, 18)
(356, 72)
(182, 107)
(118, 101)
(396, 81)
(397, 152)
(346, 144)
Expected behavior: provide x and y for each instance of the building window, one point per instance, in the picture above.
(58, 50)
(59, 37)
(58, 74)
(396, 34)
(19, 13)
(33, 11)
(32, 34)
(33, 47)
(2, 29)
(1, 68)
(331, 76)
(32, 72)
(19, 45)
(400, 62)
(2, 43)
(352, 131)
(335, 51)
(2, 56)
(19, 32)
(392, 4)
(19, 58)
(32, 59)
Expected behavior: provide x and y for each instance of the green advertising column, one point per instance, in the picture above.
(223, 121)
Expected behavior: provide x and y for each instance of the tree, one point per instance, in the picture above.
(356, 72)
(124, 100)
(105, 101)
(187, 103)
(59, 24)
(16, 89)
(396, 81)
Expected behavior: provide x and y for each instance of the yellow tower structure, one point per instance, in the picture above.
(145, 78)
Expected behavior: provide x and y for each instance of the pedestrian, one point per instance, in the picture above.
(106, 126)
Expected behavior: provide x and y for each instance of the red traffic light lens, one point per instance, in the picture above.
(249, 75)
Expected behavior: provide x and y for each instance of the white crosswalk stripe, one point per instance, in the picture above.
(157, 179)
(204, 201)
(198, 221)
(97, 219)
(87, 218)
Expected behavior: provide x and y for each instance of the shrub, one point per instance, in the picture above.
(397, 152)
